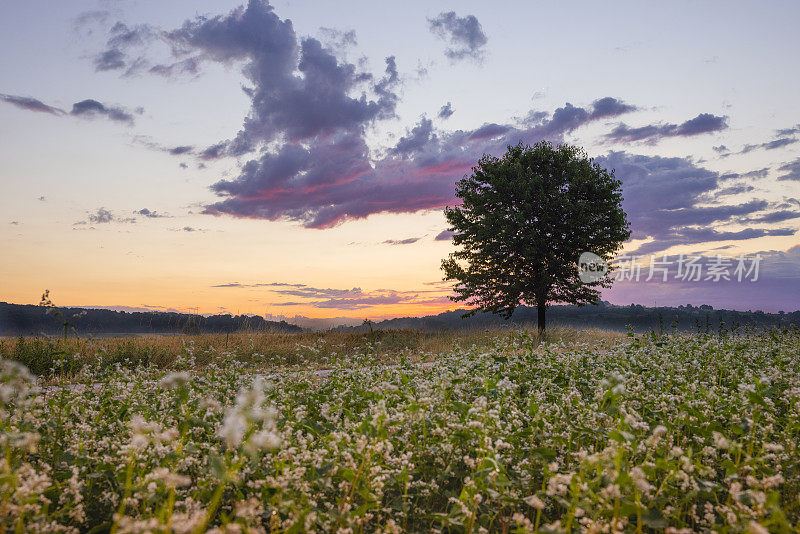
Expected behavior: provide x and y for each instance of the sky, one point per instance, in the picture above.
(293, 158)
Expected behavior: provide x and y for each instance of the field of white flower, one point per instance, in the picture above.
(676, 433)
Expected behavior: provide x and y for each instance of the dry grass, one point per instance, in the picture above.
(53, 356)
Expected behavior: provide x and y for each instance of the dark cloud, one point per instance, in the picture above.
(186, 66)
(751, 175)
(721, 149)
(150, 214)
(791, 170)
(776, 216)
(768, 145)
(215, 151)
(788, 131)
(30, 104)
(464, 34)
(92, 108)
(101, 217)
(109, 60)
(88, 108)
(178, 150)
(444, 235)
(651, 134)
(406, 241)
(663, 200)
(327, 181)
(104, 216)
(420, 136)
(121, 40)
(733, 190)
(778, 143)
(610, 107)
(300, 89)
(446, 111)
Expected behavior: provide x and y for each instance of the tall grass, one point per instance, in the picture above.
(46, 356)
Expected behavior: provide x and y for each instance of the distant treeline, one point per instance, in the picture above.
(29, 320)
(603, 315)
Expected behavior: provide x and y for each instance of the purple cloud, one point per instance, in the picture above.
(325, 181)
(92, 108)
(663, 198)
(407, 241)
(464, 34)
(791, 170)
(446, 111)
(31, 104)
(651, 134)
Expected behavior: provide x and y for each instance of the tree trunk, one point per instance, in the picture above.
(540, 309)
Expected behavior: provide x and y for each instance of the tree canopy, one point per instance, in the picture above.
(524, 220)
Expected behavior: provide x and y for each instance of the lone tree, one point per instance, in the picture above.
(524, 221)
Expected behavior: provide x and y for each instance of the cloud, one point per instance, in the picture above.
(122, 39)
(338, 40)
(406, 241)
(788, 131)
(109, 60)
(446, 111)
(464, 34)
(734, 190)
(92, 108)
(757, 173)
(88, 108)
(791, 170)
(104, 216)
(777, 287)
(326, 181)
(768, 145)
(346, 299)
(300, 89)
(662, 197)
(268, 284)
(721, 149)
(179, 150)
(31, 104)
(776, 216)
(101, 217)
(651, 134)
(150, 214)
(610, 107)
(444, 235)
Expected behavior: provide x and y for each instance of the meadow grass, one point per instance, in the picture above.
(496, 432)
(54, 356)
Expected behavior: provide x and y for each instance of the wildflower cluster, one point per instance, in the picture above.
(660, 433)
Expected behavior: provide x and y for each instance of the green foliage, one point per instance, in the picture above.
(524, 220)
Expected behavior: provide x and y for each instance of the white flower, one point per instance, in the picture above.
(175, 380)
(534, 502)
(233, 428)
